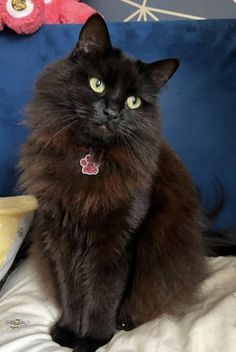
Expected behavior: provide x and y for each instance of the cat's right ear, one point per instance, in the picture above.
(94, 36)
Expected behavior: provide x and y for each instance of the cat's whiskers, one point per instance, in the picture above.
(83, 110)
(48, 112)
(142, 137)
(126, 147)
(139, 140)
(56, 134)
(64, 119)
(129, 146)
(132, 147)
(141, 146)
(137, 143)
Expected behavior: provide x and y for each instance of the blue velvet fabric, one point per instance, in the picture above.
(198, 105)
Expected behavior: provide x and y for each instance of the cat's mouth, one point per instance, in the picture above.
(103, 127)
(97, 133)
(103, 130)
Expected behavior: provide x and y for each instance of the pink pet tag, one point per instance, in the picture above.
(89, 167)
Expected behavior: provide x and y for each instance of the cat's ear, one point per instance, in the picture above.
(94, 35)
(161, 71)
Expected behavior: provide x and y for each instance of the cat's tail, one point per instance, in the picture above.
(218, 242)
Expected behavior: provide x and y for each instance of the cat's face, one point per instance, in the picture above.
(100, 94)
(112, 97)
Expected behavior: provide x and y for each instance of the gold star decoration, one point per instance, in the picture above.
(144, 12)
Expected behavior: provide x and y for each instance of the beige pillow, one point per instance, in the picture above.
(16, 215)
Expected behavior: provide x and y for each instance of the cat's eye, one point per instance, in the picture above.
(97, 85)
(134, 102)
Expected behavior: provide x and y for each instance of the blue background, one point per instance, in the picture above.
(198, 105)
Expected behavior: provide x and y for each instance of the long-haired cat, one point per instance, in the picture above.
(119, 224)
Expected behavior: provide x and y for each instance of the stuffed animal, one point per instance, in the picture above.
(27, 16)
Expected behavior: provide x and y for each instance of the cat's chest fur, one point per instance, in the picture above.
(56, 177)
(120, 179)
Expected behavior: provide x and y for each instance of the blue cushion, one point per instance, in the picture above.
(198, 105)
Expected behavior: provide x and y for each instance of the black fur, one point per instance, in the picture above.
(122, 247)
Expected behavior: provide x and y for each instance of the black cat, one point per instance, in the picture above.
(119, 225)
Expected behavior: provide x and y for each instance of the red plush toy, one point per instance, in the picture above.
(27, 16)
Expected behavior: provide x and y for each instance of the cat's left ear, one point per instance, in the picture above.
(94, 35)
(161, 71)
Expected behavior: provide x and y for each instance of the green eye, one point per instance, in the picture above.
(97, 85)
(134, 102)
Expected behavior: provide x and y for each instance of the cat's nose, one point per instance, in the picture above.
(110, 113)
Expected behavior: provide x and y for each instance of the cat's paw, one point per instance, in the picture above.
(63, 336)
(88, 344)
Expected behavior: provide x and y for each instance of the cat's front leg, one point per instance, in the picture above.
(67, 329)
(104, 287)
(63, 335)
(70, 298)
(88, 344)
